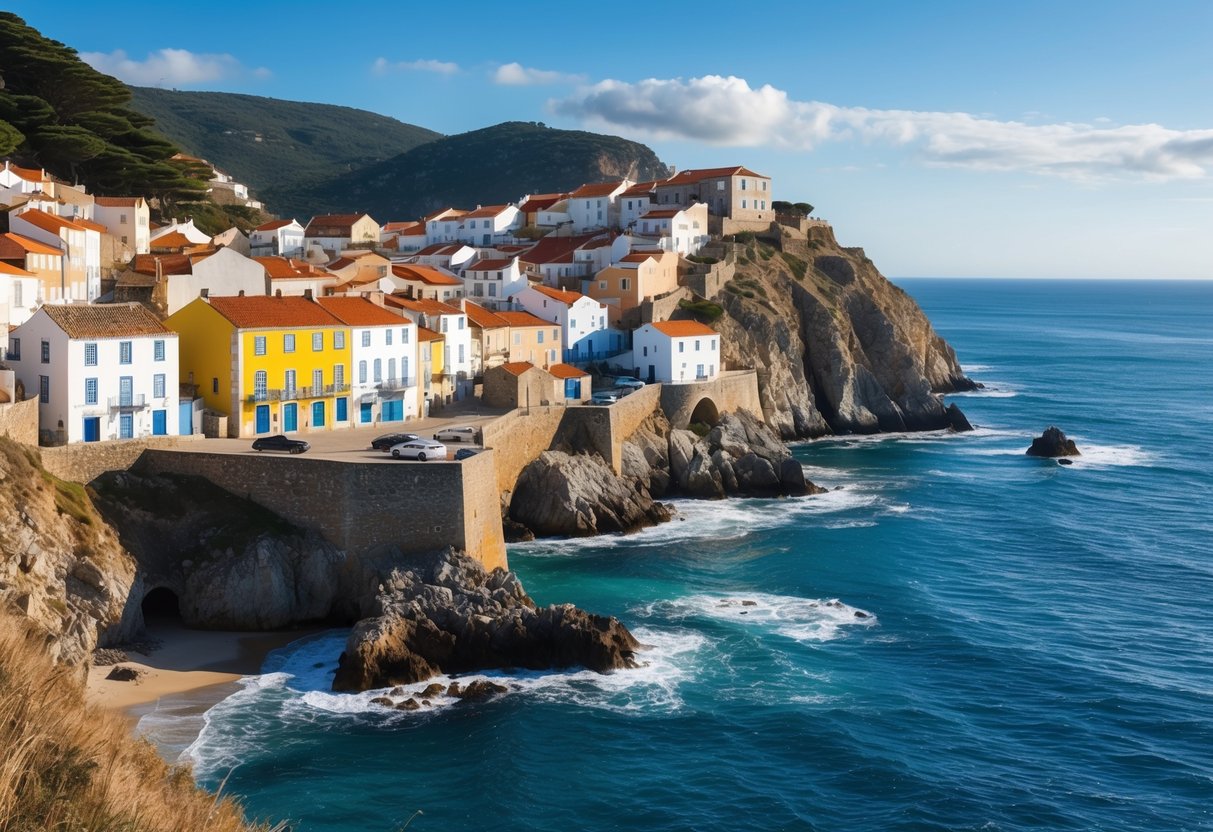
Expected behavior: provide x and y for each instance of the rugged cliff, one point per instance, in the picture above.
(839, 349)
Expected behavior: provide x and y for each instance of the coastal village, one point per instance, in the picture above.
(123, 328)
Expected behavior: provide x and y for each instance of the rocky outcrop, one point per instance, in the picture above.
(232, 564)
(61, 566)
(838, 348)
(444, 614)
(1053, 443)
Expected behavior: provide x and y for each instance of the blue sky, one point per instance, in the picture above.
(953, 139)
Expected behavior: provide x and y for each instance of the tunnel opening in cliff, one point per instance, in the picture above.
(161, 605)
(705, 413)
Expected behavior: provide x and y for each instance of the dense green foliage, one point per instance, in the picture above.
(278, 148)
(801, 208)
(493, 165)
(59, 113)
(704, 310)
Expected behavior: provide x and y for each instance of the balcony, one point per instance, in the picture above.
(396, 384)
(128, 403)
(291, 394)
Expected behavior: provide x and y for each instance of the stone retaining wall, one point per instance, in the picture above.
(19, 421)
(85, 461)
(731, 390)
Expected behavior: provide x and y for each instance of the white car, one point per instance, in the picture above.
(420, 450)
(463, 433)
(603, 398)
(629, 383)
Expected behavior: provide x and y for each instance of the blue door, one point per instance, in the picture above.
(92, 429)
(159, 422)
(185, 418)
(290, 417)
(365, 413)
(263, 418)
(126, 426)
(393, 410)
(317, 414)
(572, 388)
(343, 410)
(126, 387)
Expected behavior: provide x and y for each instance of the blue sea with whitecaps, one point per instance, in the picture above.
(955, 637)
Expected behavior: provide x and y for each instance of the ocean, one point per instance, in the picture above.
(955, 637)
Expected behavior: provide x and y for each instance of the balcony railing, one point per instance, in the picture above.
(392, 384)
(290, 394)
(133, 402)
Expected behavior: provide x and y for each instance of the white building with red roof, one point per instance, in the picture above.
(676, 352)
(452, 323)
(634, 202)
(450, 256)
(443, 226)
(734, 193)
(384, 359)
(490, 224)
(127, 218)
(583, 321)
(492, 282)
(277, 238)
(681, 230)
(80, 243)
(427, 283)
(594, 206)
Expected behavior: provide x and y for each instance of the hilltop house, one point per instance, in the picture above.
(128, 219)
(383, 384)
(582, 320)
(738, 198)
(533, 339)
(443, 226)
(296, 277)
(450, 256)
(337, 232)
(635, 278)
(594, 206)
(494, 282)
(19, 292)
(168, 282)
(102, 371)
(532, 205)
(451, 323)
(270, 364)
(39, 259)
(80, 245)
(427, 283)
(634, 202)
(681, 230)
(675, 352)
(278, 237)
(490, 338)
(490, 224)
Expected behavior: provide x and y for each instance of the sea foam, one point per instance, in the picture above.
(800, 619)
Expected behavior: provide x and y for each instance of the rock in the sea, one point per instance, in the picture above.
(122, 673)
(444, 614)
(957, 420)
(1053, 443)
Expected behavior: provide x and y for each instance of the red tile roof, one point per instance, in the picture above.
(423, 305)
(28, 174)
(411, 225)
(425, 274)
(5, 268)
(283, 268)
(359, 312)
(551, 249)
(439, 248)
(48, 222)
(13, 246)
(90, 225)
(683, 329)
(567, 371)
(539, 202)
(660, 213)
(636, 257)
(424, 334)
(517, 368)
(261, 312)
(485, 211)
(490, 265)
(641, 188)
(118, 201)
(481, 317)
(567, 298)
(173, 239)
(455, 213)
(689, 177)
(331, 225)
(105, 320)
(522, 319)
(273, 225)
(169, 264)
(597, 189)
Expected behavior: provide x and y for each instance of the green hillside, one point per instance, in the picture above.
(278, 148)
(493, 165)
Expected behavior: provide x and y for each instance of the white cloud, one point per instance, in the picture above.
(383, 66)
(517, 75)
(170, 66)
(727, 111)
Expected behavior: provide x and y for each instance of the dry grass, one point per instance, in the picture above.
(65, 766)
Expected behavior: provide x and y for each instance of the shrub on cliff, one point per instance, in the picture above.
(69, 766)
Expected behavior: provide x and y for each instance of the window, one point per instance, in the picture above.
(90, 355)
(339, 339)
(764, 187)
(44, 389)
(288, 342)
(317, 382)
(459, 322)
(158, 386)
(713, 344)
(646, 351)
(387, 334)
(258, 345)
(391, 369)
(572, 323)
(461, 359)
(124, 352)
(214, 385)
(289, 382)
(623, 284)
(517, 339)
(539, 336)
(445, 324)
(378, 370)
(362, 372)
(90, 391)
(339, 376)
(555, 335)
(404, 334)
(14, 349)
(682, 346)
(602, 284)
(366, 337)
(492, 289)
(18, 293)
(404, 369)
(720, 185)
(122, 219)
(317, 342)
(696, 345)
(158, 350)
(260, 386)
(743, 184)
(46, 352)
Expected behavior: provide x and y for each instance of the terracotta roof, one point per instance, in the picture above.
(411, 225)
(517, 368)
(48, 222)
(325, 224)
(660, 213)
(597, 189)
(418, 230)
(481, 317)
(261, 312)
(273, 225)
(455, 213)
(522, 319)
(601, 242)
(490, 265)
(424, 305)
(439, 248)
(485, 211)
(13, 246)
(688, 177)
(567, 298)
(173, 239)
(359, 312)
(104, 320)
(636, 257)
(118, 201)
(346, 260)
(683, 329)
(424, 334)
(425, 274)
(550, 249)
(538, 202)
(5, 268)
(567, 371)
(90, 225)
(28, 174)
(169, 264)
(641, 188)
(283, 268)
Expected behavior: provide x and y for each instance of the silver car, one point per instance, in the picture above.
(463, 433)
(419, 449)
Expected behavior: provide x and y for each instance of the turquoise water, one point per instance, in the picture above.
(1037, 651)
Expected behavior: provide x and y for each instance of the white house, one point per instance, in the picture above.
(594, 206)
(223, 273)
(292, 277)
(16, 181)
(101, 371)
(443, 226)
(634, 202)
(682, 230)
(418, 281)
(384, 353)
(492, 283)
(81, 244)
(127, 218)
(676, 352)
(337, 232)
(283, 238)
(187, 232)
(490, 224)
(451, 256)
(583, 321)
(18, 295)
(452, 323)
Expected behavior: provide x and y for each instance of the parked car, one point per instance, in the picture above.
(603, 398)
(384, 443)
(464, 453)
(419, 449)
(629, 383)
(280, 443)
(462, 433)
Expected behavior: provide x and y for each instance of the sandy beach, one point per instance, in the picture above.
(194, 662)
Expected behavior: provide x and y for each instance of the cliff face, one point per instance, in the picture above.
(839, 349)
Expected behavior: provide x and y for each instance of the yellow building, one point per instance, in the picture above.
(271, 364)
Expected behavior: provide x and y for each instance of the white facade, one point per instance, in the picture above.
(583, 322)
(452, 256)
(486, 227)
(18, 296)
(129, 223)
(285, 240)
(492, 283)
(594, 206)
(385, 373)
(683, 231)
(555, 217)
(684, 352)
(633, 206)
(82, 247)
(185, 229)
(443, 229)
(457, 337)
(225, 273)
(123, 387)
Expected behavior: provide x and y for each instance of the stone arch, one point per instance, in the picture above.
(705, 412)
(161, 604)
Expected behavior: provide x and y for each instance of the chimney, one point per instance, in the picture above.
(278, 293)
(240, 294)
(204, 293)
(307, 293)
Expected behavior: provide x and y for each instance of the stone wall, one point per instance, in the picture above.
(417, 506)
(603, 430)
(731, 390)
(520, 437)
(85, 461)
(660, 308)
(19, 421)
